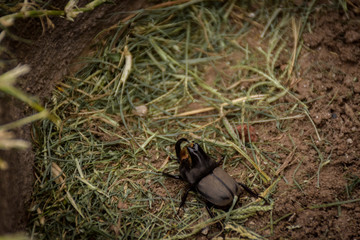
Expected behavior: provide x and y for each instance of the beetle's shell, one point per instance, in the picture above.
(218, 188)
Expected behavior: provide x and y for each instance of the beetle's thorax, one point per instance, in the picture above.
(195, 164)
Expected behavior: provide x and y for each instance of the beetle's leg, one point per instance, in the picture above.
(219, 224)
(172, 176)
(251, 192)
(208, 210)
(184, 196)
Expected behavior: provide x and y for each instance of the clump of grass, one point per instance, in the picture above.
(99, 173)
(9, 12)
(14, 9)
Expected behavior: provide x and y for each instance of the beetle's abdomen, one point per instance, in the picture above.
(218, 188)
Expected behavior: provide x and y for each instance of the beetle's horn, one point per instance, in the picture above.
(178, 147)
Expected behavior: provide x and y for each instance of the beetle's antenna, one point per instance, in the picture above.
(178, 147)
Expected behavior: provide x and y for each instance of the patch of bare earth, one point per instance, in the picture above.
(329, 73)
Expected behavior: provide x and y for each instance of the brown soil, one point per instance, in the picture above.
(50, 55)
(329, 72)
(328, 82)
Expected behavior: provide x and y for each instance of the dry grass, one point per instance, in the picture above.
(193, 69)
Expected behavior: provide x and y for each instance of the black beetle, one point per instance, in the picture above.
(206, 177)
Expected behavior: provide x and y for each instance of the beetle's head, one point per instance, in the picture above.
(189, 155)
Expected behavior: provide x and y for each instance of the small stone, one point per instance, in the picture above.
(348, 81)
(140, 110)
(317, 119)
(356, 86)
(205, 231)
(352, 36)
(349, 141)
(319, 76)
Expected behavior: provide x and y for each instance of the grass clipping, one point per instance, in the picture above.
(189, 69)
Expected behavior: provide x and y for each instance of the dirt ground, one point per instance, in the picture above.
(328, 82)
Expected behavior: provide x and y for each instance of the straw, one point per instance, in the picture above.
(107, 182)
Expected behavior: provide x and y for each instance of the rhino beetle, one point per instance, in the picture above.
(206, 177)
